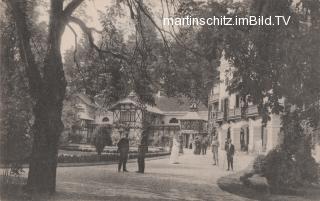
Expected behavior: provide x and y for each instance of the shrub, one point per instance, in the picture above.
(101, 139)
(280, 170)
(75, 138)
(286, 170)
(291, 164)
(258, 164)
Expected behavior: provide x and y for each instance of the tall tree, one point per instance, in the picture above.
(47, 82)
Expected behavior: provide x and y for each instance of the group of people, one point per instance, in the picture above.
(201, 145)
(123, 149)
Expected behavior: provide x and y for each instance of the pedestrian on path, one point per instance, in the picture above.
(175, 151)
(204, 145)
(230, 154)
(123, 148)
(214, 149)
(142, 150)
(197, 146)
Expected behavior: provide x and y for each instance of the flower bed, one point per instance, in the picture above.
(107, 149)
(71, 158)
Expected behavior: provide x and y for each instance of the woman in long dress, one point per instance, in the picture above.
(174, 151)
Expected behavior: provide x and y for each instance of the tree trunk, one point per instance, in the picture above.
(47, 91)
(48, 111)
(47, 128)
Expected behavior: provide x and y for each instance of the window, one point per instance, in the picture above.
(127, 116)
(173, 121)
(105, 119)
(210, 112)
(216, 106)
(237, 101)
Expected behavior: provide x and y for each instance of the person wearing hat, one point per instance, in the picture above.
(142, 150)
(123, 148)
(230, 154)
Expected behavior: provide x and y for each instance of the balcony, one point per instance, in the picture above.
(213, 98)
(234, 114)
(252, 110)
(219, 116)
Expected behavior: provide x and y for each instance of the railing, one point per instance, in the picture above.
(252, 110)
(219, 116)
(234, 114)
(213, 98)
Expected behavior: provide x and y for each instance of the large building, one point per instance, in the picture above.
(230, 119)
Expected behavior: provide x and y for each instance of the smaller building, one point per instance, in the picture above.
(87, 116)
(168, 117)
(192, 125)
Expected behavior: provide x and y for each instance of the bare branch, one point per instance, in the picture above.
(88, 32)
(141, 8)
(72, 6)
(75, 55)
(75, 43)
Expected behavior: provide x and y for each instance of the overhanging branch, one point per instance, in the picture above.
(72, 6)
(88, 32)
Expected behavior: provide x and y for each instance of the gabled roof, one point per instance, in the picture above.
(176, 104)
(85, 116)
(149, 108)
(87, 100)
(153, 109)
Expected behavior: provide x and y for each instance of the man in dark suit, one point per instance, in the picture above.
(230, 154)
(142, 150)
(123, 148)
(204, 145)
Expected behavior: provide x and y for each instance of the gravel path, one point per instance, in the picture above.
(194, 178)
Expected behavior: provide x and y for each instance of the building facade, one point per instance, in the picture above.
(164, 119)
(87, 116)
(235, 117)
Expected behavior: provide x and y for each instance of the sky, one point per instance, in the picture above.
(91, 10)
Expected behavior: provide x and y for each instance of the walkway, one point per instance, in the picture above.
(193, 179)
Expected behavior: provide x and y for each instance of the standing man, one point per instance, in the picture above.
(204, 145)
(215, 147)
(142, 150)
(230, 154)
(123, 148)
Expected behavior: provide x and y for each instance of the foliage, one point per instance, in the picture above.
(258, 164)
(102, 138)
(75, 138)
(274, 62)
(15, 105)
(292, 163)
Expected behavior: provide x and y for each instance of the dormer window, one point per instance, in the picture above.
(173, 121)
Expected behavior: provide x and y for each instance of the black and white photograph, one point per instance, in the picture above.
(160, 100)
